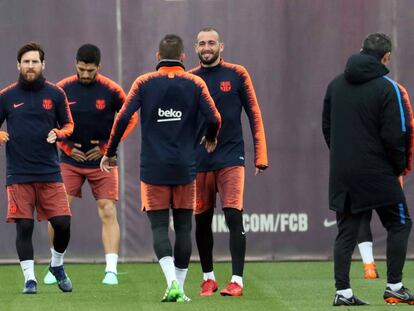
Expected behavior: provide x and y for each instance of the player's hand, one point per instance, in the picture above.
(76, 154)
(107, 164)
(209, 145)
(4, 137)
(259, 170)
(95, 153)
(51, 137)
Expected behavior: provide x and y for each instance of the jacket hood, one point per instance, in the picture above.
(361, 68)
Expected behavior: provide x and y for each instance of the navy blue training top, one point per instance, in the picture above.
(32, 110)
(169, 100)
(93, 108)
(232, 91)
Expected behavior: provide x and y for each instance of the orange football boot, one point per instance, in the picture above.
(208, 288)
(233, 289)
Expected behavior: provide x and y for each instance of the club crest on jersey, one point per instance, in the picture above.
(200, 203)
(12, 208)
(100, 104)
(225, 86)
(47, 104)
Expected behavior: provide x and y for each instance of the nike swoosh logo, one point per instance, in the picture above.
(72, 103)
(348, 302)
(405, 296)
(17, 105)
(327, 223)
(243, 232)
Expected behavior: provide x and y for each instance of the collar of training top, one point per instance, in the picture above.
(212, 68)
(31, 86)
(169, 63)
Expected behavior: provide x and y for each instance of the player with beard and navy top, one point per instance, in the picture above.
(37, 115)
(93, 100)
(223, 171)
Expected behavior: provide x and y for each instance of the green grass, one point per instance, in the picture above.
(268, 286)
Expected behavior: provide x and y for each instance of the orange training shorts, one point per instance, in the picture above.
(103, 185)
(159, 197)
(228, 182)
(48, 198)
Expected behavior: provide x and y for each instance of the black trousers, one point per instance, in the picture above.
(396, 221)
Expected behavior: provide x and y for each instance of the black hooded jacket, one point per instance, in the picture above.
(367, 124)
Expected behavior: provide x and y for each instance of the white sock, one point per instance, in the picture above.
(237, 279)
(57, 258)
(111, 262)
(347, 293)
(181, 274)
(28, 270)
(209, 275)
(365, 249)
(168, 268)
(395, 287)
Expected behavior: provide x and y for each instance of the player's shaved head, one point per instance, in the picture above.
(209, 29)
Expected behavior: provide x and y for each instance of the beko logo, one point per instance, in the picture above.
(169, 115)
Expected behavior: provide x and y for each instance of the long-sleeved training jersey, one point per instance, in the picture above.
(93, 108)
(32, 110)
(169, 100)
(231, 88)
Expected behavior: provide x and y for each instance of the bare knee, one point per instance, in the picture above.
(107, 210)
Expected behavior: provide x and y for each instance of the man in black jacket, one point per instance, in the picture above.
(367, 124)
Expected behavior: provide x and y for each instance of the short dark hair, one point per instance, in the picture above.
(171, 47)
(377, 44)
(89, 54)
(31, 46)
(208, 29)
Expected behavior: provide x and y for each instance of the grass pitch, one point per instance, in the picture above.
(268, 286)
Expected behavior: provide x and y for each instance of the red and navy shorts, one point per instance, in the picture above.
(159, 197)
(49, 199)
(228, 182)
(104, 185)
